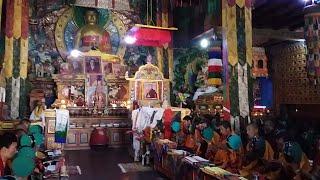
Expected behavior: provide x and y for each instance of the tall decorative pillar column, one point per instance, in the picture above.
(16, 55)
(237, 57)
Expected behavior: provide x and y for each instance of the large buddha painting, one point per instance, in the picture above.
(86, 28)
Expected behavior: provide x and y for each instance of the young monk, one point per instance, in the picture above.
(294, 159)
(254, 135)
(257, 150)
(189, 141)
(217, 146)
(206, 136)
(229, 158)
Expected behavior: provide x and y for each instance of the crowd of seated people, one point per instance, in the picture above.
(270, 150)
(10, 145)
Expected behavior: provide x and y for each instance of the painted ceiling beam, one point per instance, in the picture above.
(282, 34)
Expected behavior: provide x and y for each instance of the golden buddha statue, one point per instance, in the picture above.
(92, 35)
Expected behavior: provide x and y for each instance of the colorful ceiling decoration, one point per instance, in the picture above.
(311, 28)
(154, 36)
(118, 5)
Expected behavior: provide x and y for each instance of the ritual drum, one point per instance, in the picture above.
(99, 137)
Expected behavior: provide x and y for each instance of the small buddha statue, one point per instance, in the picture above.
(91, 35)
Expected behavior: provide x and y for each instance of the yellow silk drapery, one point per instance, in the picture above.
(229, 26)
(17, 18)
(248, 31)
(8, 57)
(24, 58)
(14, 33)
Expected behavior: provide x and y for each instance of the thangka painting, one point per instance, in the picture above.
(118, 93)
(95, 91)
(76, 66)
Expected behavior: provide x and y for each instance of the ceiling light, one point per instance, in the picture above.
(204, 43)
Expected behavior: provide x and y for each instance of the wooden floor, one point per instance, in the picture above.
(103, 165)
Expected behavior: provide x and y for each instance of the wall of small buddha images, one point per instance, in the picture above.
(291, 84)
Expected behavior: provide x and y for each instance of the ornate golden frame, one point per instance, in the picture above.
(149, 73)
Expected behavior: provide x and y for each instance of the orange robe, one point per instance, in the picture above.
(304, 163)
(254, 166)
(228, 160)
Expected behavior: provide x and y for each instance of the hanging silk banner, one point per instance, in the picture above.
(229, 25)
(8, 56)
(312, 24)
(17, 18)
(61, 126)
(237, 35)
(15, 96)
(24, 39)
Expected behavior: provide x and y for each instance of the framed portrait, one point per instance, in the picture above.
(71, 138)
(93, 64)
(117, 70)
(51, 144)
(64, 68)
(76, 66)
(150, 91)
(107, 68)
(95, 91)
(78, 94)
(51, 126)
(116, 137)
(65, 92)
(84, 138)
(118, 91)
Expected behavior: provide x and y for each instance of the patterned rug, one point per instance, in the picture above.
(133, 167)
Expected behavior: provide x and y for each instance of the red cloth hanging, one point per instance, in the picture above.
(25, 19)
(150, 36)
(168, 116)
(214, 68)
(9, 19)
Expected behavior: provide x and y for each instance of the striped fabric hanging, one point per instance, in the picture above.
(215, 68)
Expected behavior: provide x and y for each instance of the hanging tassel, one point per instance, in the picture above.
(233, 70)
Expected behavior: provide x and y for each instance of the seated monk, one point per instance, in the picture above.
(253, 134)
(294, 160)
(218, 144)
(202, 140)
(258, 149)
(230, 158)
(181, 135)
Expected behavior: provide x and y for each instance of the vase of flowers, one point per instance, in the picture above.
(182, 97)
